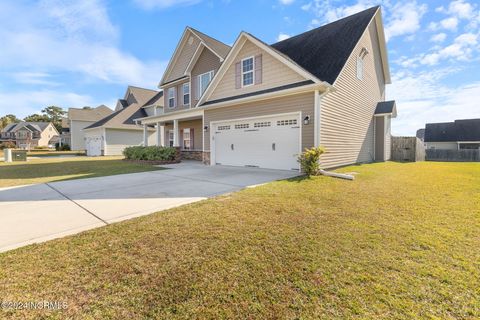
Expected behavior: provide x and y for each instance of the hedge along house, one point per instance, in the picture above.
(112, 134)
(261, 105)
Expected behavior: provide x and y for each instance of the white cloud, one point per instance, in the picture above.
(35, 78)
(162, 4)
(461, 8)
(282, 36)
(70, 36)
(35, 101)
(404, 19)
(286, 2)
(449, 23)
(427, 101)
(439, 37)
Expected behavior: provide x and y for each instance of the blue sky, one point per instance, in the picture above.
(75, 53)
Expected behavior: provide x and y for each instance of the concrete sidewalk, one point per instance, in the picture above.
(37, 213)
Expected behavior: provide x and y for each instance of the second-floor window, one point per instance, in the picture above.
(186, 93)
(203, 82)
(247, 71)
(171, 97)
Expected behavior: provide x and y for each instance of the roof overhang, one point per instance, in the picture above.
(270, 95)
(383, 46)
(386, 108)
(170, 116)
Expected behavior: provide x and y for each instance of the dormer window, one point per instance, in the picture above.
(171, 97)
(247, 71)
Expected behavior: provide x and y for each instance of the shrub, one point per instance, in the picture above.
(309, 161)
(7, 144)
(63, 147)
(41, 148)
(150, 153)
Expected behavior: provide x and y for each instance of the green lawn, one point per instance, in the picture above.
(58, 169)
(402, 241)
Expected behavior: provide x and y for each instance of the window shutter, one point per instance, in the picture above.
(191, 139)
(258, 69)
(174, 97)
(238, 76)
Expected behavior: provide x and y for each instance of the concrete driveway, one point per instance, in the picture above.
(37, 213)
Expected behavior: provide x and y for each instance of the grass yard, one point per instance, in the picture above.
(58, 169)
(402, 241)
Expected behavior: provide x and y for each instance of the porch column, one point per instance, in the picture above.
(145, 135)
(162, 135)
(176, 133)
(158, 134)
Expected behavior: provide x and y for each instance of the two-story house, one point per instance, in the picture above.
(118, 130)
(28, 135)
(260, 105)
(77, 120)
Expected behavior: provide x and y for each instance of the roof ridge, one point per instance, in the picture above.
(327, 24)
(210, 37)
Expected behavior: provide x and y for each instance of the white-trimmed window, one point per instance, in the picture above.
(186, 93)
(187, 139)
(203, 82)
(248, 71)
(170, 138)
(171, 97)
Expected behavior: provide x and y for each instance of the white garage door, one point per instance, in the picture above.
(94, 146)
(272, 142)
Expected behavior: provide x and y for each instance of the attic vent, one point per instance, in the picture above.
(190, 40)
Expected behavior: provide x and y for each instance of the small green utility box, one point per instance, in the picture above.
(19, 155)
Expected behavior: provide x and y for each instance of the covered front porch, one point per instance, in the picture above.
(183, 131)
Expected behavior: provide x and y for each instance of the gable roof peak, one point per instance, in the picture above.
(323, 51)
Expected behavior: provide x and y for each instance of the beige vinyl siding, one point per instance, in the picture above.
(441, 145)
(77, 136)
(207, 61)
(178, 98)
(293, 103)
(47, 135)
(197, 132)
(274, 74)
(183, 58)
(117, 140)
(347, 124)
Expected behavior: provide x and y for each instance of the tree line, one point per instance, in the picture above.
(52, 114)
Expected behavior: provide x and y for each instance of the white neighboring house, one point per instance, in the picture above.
(112, 134)
(77, 120)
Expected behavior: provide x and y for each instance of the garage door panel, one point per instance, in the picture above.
(264, 142)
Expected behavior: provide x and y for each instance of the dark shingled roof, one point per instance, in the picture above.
(255, 93)
(460, 130)
(324, 51)
(384, 107)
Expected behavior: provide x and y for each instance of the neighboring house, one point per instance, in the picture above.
(421, 134)
(77, 120)
(260, 105)
(28, 135)
(65, 137)
(112, 134)
(460, 134)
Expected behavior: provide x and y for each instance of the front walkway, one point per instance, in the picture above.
(41, 212)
